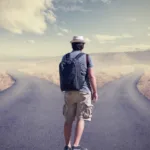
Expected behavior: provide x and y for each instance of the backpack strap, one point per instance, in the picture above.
(81, 54)
(78, 56)
(87, 60)
(67, 56)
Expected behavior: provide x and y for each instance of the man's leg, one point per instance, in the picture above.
(84, 112)
(69, 112)
(78, 132)
(67, 133)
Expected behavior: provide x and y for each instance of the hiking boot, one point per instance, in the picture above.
(67, 148)
(78, 148)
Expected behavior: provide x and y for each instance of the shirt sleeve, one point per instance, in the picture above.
(90, 62)
(63, 58)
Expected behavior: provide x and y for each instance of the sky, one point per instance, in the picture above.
(46, 27)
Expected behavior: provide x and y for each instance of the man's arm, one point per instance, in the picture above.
(92, 79)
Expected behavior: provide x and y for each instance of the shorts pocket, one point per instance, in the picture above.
(87, 111)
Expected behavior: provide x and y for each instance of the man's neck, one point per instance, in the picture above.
(76, 50)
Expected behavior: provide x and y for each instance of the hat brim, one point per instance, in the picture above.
(76, 41)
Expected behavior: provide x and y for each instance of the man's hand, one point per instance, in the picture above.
(94, 96)
(93, 84)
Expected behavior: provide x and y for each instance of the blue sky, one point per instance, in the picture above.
(45, 27)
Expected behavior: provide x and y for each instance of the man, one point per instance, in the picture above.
(78, 103)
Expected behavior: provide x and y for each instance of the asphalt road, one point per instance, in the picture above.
(31, 116)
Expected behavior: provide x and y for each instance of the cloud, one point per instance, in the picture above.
(60, 34)
(59, 29)
(68, 1)
(72, 8)
(148, 28)
(133, 47)
(148, 34)
(81, 1)
(64, 30)
(132, 19)
(126, 36)
(87, 40)
(30, 41)
(20, 16)
(69, 5)
(111, 39)
(75, 5)
(104, 1)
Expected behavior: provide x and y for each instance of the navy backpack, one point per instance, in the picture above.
(71, 73)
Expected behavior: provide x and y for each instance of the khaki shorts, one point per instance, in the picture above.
(77, 105)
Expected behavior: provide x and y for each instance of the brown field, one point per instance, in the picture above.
(108, 67)
(103, 75)
(144, 84)
(5, 81)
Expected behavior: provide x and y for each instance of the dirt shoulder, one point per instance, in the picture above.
(103, 75)
(5, 81)
(144, 84)
(109, 74)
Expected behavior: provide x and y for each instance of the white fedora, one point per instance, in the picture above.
(77, 39)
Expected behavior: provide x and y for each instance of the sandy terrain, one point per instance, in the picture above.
(144, 84)
(5, 81)
(107, 68)
(103, 74)
(108, 74)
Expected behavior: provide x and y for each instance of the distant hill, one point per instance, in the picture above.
(114, 58)
(136, 57)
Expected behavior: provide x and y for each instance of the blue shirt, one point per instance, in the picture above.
(86, 87)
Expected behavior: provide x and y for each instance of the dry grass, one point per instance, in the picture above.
(103, 74)
(5, 81)
(108, 74)
(144, 84)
